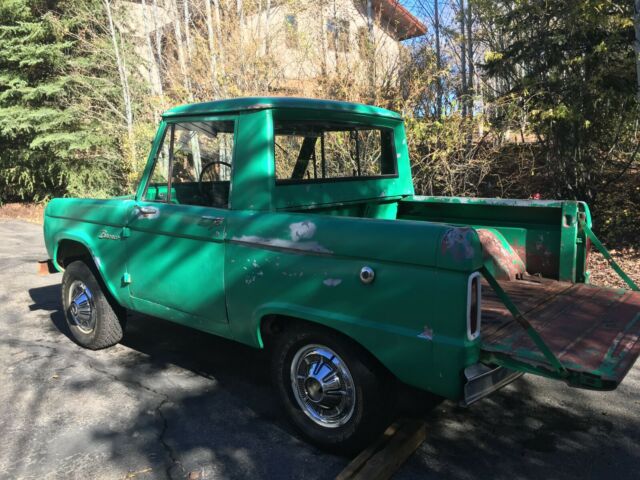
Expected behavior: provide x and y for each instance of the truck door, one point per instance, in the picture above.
(176, 228)
(585, 335)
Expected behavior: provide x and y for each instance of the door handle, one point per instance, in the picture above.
(147, 211)
(214, 220)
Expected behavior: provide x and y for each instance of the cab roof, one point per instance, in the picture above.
(260, 103)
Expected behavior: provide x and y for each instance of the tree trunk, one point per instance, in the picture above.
(436, 27)
(267, 21)
(371, 60)
(216, 12)
(335, 38)
(471, 69)
(636, 21)
(240, 17)
(195, 145)
(158, 35)
(155, 79)
(239, 10)
(187, 30)
(463, 58)
(122, 72)
(180, 47)
(323, 42)
(212, 52)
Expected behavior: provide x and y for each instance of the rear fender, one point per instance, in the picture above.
(407, 356)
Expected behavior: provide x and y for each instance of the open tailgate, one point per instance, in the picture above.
(593, 332)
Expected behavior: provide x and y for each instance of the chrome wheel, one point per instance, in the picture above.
(81, 307)
(323, 386)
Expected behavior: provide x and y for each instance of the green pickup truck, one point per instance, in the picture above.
(292, 225)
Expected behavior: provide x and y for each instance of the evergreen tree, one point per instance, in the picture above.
(570, 69)
(50, 144)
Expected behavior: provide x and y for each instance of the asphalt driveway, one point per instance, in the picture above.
(173, 403)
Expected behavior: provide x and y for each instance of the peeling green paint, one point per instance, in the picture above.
(297, 249)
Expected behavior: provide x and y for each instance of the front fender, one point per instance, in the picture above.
(73, 237)
(110, 272)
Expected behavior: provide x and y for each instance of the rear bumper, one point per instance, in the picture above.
(482, 380)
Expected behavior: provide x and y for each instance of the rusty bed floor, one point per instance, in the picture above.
(590, 329)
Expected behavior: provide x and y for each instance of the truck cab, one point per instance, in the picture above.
(293, 224)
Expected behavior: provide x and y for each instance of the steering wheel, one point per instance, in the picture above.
(207, 166)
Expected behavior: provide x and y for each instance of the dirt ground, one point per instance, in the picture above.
(29, 212)
(602, 274)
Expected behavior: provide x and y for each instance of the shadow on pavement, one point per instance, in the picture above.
(225, 428)
(49, 299)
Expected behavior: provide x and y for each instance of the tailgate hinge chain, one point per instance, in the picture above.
(524, 323)
(601, 248)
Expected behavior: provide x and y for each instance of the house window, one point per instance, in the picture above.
(338, 33)
(364, 42)
(291, 31)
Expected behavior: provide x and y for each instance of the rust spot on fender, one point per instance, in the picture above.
(458, 243)
(507, 264)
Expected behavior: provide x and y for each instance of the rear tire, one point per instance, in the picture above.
(95, 320)
(306, 361)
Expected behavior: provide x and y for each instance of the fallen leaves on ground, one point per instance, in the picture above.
(603, 275)
(139, 472)
(29, 212)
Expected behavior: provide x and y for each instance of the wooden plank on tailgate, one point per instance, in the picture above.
(594, 332)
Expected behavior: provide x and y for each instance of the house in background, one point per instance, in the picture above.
(303, 40)
(314, 38)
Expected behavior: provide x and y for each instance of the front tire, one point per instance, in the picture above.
(336, 396)
(94, 321)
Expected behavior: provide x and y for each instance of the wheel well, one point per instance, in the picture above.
(70, 250)
(273, 325)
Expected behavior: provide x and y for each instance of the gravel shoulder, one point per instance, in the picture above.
(170, 402)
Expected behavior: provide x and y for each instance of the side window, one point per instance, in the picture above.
(338, 35)
(200, 163)
(291, 31)
(159, 179)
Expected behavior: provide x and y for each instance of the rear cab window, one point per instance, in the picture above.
(325, 158)
(314, 151)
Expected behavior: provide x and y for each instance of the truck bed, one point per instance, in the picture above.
(592, 330)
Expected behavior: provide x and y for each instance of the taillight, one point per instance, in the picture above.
(474, 307)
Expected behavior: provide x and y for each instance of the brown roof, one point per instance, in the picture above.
(399, 19)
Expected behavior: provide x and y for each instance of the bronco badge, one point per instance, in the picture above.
(108, 236)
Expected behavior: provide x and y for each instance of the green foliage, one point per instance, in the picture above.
(555, 110)
(50, 144)
(566, 72)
